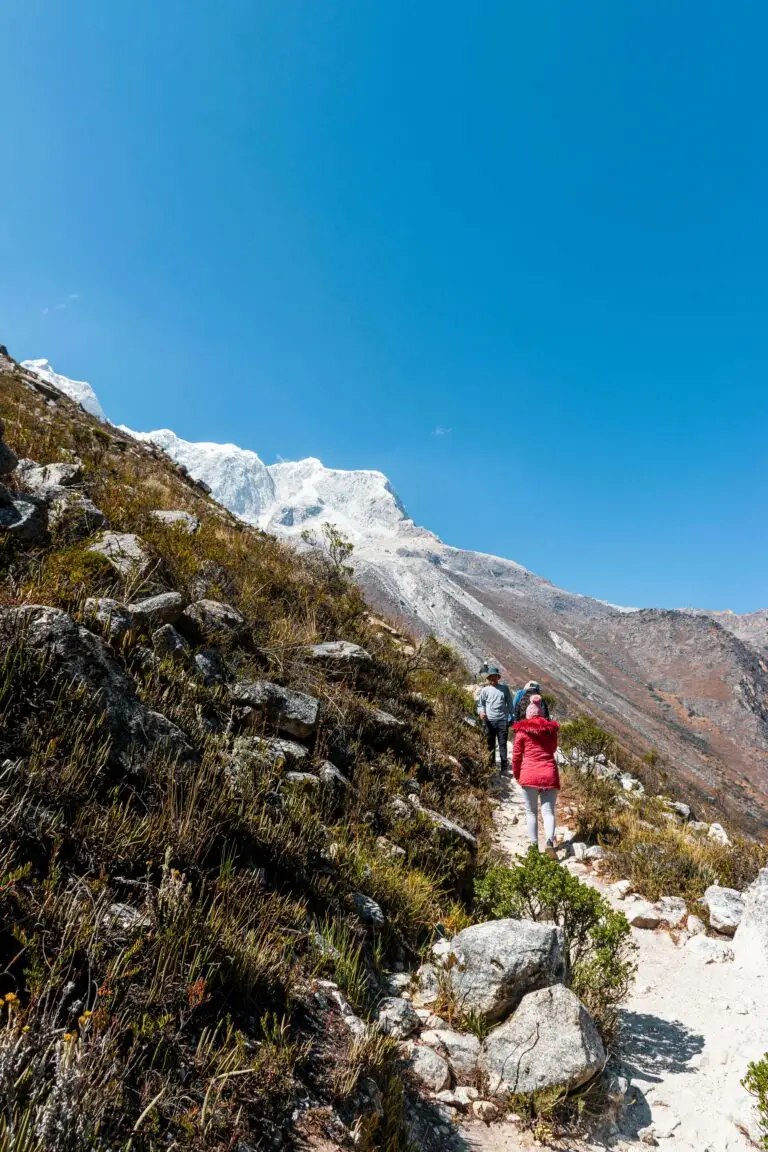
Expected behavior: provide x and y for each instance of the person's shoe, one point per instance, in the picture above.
(550, 850)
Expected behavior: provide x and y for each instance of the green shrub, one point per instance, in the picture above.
(598, 940)
(756, 1082)
(583, 733)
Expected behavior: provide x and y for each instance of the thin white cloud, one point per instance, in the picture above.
(441, 431)
(71, 298)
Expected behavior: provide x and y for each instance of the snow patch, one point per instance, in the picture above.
(78, 390)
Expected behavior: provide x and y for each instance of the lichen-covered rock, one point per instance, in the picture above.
(293, 713)
(184, 521)
(273, 750)
(332, 779)
(430, 1069)
(726, 908)
(301, 780)
(165, 608)
(125, 551)
(550, 1042)
(493, 965)
(207, 620)
(460, 1049)
(393, 851)
(397, 1018)
(339, 659)
(82, 659)
(73, 516)
(210, 666)
(171, 645)
(48, 480)
(368, 910)
(109, 616)
(25, 519)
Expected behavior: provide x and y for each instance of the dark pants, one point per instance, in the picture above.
(496, 733)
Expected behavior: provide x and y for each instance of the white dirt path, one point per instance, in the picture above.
(687, 1034)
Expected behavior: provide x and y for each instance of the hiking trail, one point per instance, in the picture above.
(687, 1033)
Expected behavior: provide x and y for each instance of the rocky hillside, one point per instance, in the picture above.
(234, 807)
(690, 686)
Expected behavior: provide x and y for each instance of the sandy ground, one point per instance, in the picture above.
(687, 1034)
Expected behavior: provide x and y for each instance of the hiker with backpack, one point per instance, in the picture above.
(535, 769)
(523, 698)
(494, 707)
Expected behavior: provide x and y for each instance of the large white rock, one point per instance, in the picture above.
(492, 965)
(726, 908)
(641, 914)
(710, 951)
(551, 1041)
(671, 909)
(397, 1018)
(718, 833)
(751, 940)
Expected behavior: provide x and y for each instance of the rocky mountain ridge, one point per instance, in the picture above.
(691, 685)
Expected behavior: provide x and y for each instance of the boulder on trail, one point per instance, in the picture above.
(339, 659)
(78, 656)
(641, 914)
(671, 909)
(184, 521)
(430, 1069)
(207, 620)
(751, 940)
(726, 908)
(493, 965)
(165, 608)
(460, 1049)
(293, 713)
(125, 551)
(550, 1042)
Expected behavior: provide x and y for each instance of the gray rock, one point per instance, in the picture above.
(498, 962)
(400, 809)
(165, 608)
(291, 712)
(683, 811)
(332, 779)
(447, 828)
(460, 1049)
(751, 940)
(184, 521)
(695, 925)
(125, 917)
(367, 909)
(48, 480)
(485, 1110)
(207, 620)
(301, 780)
(671, 909)
(429, 1068)
(719, 834)
(642, 914)
(339, 658)
(595, 853)
(385, 721)
(393, 851)
(269, 749)
(726, 908)
(397, 1018)
(698, 826)
(8, 459)
(550, 1042)
(25, 519)
(74, 517)
(110, 616)
(171, 645)
(125, 552)
(579, 849)
(428, 984)
(82, 659)
(210, 667)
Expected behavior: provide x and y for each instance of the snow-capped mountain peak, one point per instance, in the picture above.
(77, 390)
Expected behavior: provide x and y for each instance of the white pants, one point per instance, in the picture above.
(548, 799)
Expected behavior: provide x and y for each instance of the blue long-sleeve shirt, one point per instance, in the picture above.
(495, 701)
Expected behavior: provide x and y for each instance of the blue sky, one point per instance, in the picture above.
(332, 229)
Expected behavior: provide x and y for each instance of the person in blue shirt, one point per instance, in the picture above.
(522, 699)
(494, 707)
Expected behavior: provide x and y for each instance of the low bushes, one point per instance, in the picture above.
(756, 1082)
(598, 939)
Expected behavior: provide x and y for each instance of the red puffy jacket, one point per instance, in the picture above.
(533, 756)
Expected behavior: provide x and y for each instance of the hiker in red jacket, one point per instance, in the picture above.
(534, 767)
